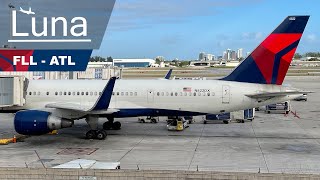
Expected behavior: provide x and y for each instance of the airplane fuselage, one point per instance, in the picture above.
(154, 97)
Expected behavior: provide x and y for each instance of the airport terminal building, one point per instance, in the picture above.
(131, 63)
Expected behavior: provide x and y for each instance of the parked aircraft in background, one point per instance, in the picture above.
(256, 82)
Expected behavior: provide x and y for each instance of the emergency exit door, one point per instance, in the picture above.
(225, 94)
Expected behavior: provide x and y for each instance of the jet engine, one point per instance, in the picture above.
(36, 122)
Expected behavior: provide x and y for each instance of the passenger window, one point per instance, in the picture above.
(34, 93)
(185, 94)
(199, 94)
(91, 93)
(47, 93)
(30, 93)
(122, 93)
(38, 93)
(60, 93)
(190, 94)
(176, 94)
(195, 94)
(100, 93)
(56, 93)
(208, 94)
(131, 93)
(69, 93)
(162, 93)
(113, 93)
(95, 93)
(78, 93)
(126, 93)
(87, 93)
(167, 94)
(172, 94)
(118, 93)
(135, 93)
(82, 93)
(65, 93)
(158, 94)
(212, 93)
(73, 93)
(180, 94)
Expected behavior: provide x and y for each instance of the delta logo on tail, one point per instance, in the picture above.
(270, 61)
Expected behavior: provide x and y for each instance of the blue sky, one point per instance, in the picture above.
(183, 28)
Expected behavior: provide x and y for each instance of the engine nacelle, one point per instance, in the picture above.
(35, 122)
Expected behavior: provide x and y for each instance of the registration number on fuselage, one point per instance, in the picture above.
(202, 90)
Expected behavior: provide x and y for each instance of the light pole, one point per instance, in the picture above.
(11, 7)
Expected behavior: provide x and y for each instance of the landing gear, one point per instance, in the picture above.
(94, 133)
(110, 124)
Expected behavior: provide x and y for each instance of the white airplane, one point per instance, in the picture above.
(26, 12)
(257, 81)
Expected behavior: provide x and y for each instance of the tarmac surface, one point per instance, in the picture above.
(271, 143)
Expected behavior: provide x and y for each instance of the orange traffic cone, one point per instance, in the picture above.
(14, 140)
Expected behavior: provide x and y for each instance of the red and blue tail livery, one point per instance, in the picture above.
(270, 61)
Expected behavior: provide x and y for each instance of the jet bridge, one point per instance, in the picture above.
(13, 91)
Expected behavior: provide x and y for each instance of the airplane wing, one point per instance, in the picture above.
(276, 94)
(101, 105)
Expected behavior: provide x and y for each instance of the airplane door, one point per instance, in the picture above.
(225, 94)
(150, 96)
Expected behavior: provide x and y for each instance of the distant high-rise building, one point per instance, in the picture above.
(233, 55)
(239, 53)
(209, 57)
(224, 55)
(228, 54)
(202, 56)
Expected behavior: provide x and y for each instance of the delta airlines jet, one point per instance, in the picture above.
(257, 81)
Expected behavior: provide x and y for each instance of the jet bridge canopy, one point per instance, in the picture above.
(13, 90)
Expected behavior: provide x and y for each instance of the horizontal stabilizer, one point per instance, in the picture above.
(276, 94)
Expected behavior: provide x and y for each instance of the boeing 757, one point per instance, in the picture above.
(257, 81)
(27, 12)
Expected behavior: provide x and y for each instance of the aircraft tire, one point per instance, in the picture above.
(116, 125)
(91, 134)
(101, 135)
(107, 125)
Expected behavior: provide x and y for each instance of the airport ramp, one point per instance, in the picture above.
(13, 91)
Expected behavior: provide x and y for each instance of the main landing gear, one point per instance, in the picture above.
(94, 133)
(110, 124)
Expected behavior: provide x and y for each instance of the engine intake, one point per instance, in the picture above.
(35, 122)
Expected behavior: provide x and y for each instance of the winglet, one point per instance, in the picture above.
(105, 98)
(168, 75)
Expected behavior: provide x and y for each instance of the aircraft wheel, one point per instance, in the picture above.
(101, 135)
(91, 134)
(153, 120)
(116, 125)
(107, 125)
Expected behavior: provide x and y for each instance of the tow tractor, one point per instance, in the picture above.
(177, 124)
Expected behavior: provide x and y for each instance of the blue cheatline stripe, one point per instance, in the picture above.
(278, 59)
(8, 60)
(105, 98)
(136, 112)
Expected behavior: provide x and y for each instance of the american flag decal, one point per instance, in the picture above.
(187, 89)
